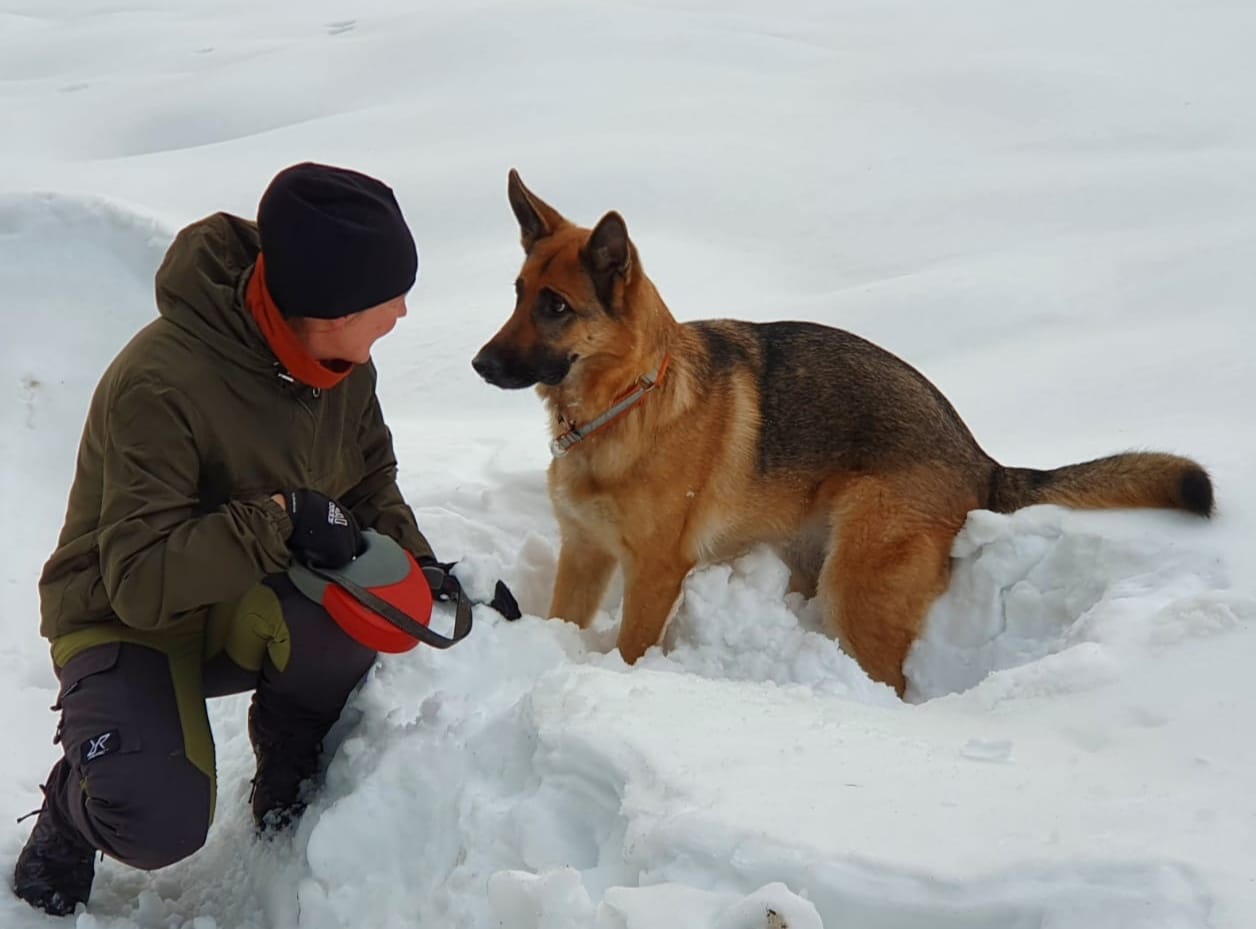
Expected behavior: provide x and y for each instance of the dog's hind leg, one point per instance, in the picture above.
(889, 562)
(804, 553)
(584, 570)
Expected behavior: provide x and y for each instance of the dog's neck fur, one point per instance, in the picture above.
(592, 389)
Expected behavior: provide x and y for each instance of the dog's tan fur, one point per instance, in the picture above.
(808, 438)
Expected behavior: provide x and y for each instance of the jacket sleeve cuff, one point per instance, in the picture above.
(277, 516)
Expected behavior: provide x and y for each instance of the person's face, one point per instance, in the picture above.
(349, 338)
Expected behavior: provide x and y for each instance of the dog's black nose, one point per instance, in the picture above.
(488, 366)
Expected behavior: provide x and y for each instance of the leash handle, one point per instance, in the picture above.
(412, 628)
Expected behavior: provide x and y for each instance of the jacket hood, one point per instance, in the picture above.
(200, 288)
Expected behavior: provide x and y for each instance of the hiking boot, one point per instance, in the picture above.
(55, 868)
(287, 745)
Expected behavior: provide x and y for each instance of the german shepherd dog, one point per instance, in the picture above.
(682, 443)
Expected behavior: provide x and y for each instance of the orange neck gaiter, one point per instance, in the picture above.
(284, 342)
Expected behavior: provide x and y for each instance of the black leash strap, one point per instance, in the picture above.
(411, 627)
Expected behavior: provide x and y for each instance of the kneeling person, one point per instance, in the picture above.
(240, 427)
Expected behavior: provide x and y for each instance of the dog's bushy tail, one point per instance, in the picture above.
(1134, 479)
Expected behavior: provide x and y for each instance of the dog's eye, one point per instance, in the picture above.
(551, 304)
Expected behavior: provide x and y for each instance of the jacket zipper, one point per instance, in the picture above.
(303, 397)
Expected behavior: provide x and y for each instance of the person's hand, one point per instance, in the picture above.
(504, 602)
(440, 577)
(445, 586)
(324, 534)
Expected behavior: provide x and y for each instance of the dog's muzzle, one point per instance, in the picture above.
(515, 373)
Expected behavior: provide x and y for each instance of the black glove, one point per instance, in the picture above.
(440, 577)
(324, 534)
(504, 602)
(445, 586)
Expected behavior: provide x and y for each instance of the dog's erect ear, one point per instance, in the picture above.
(608, 254)
(608, 251)
(537, 219)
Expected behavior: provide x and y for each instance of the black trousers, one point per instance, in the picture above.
(138, 774)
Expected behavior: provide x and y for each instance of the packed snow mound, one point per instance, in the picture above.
(1043, 581)
(76, 275)
(580, 811)
(78, 272)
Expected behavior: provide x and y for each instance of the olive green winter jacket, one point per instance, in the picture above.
(191, 429)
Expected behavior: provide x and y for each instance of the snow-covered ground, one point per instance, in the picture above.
(1049, 207)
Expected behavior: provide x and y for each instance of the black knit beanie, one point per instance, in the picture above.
(335, 242)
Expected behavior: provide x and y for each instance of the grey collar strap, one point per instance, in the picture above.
(626, 401)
